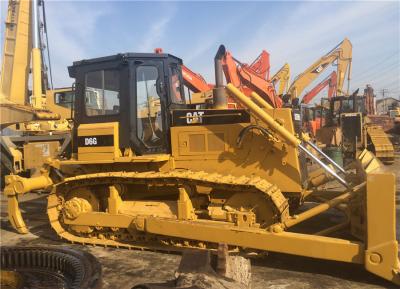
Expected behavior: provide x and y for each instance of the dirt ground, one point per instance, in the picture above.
(122, 269)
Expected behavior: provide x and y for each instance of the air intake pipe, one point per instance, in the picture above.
(219, 96)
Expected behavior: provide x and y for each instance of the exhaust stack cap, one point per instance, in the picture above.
(220, 101)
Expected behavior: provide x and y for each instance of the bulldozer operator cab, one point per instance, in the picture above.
(125, 101)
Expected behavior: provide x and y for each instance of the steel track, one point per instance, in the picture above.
(177, 177)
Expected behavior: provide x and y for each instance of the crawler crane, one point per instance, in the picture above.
(37, 124)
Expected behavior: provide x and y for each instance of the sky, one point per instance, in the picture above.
(297, 32)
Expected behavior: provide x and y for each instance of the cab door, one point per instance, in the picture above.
(148, 121)
(102, 96)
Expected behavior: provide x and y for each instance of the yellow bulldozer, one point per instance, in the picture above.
(148, 169)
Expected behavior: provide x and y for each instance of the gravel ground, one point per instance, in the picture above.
(124, 268)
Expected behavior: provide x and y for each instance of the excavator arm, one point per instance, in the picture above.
(202, 91)
(282, 76)
(194, 81)
(330, 81)
(245, 78)
(341, 54)
(257, 72)
(261, 65)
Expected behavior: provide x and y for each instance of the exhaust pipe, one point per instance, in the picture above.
(219, 96)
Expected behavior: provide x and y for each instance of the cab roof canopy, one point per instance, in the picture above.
(120, 56)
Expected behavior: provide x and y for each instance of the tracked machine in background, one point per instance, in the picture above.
(349, 116)
(149, 170)
(313, 117)
(347, 126)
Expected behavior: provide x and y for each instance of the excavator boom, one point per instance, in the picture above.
(330, 81)
(341, 54)
(194, 81)
(261, 65)
(247, 80)
(282, 76)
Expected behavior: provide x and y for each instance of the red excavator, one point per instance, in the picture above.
(261, 65)
(250, 78)
(330, 81)
(194, 81)
(247, 78)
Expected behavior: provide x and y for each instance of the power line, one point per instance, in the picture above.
(371, 73)
(374, 66)
(381, 61)
(394, 83)
(384, 80)
(378, 72)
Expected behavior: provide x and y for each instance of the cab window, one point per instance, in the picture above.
(102, 92)
(177, 96)
(149, 117)
(64, 98)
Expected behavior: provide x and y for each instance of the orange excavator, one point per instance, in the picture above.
(261, 65)
(194, 81)
(249, 78)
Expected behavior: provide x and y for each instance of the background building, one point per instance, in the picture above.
(385, 104)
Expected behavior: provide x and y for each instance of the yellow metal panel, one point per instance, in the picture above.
(37, 152)
(257, 155)
(134, 159)
(197, 143)
(381, 256)
(95, 156)
(216, 142)
(285, 242)
(92, 129)
(37, 100)
(95, 131)
(64, 112)
(84, 150)
(99, 153)
(16, 52)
